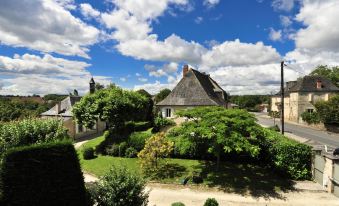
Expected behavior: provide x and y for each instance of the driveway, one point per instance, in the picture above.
(317, 136)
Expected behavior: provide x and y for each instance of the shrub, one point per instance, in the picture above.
(177, 204)
(46, 174)
(131, 152)
(287, 156)
(30, 131)
(275, 128)
(211, 202)
(197, 178)
(113, 150)
(120, 187)
(310, 118)
(123, 146)
(137, 139)
(160, 123)
(88, 153)
(329, 110)
(137, 126)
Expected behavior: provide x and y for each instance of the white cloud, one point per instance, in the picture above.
(142, 79)
(40, 25)
(154, 88)
(210, 3)
(198, 20)
(88, 11)
(285, 21)
(123, 79)
(283, 5)
(165, 70)
(275, 35)
(138, 74)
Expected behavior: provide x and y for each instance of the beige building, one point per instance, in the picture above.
(194, 89)
(63, 110)
(301, 95)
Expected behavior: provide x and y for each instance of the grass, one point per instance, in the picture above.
(242, 178)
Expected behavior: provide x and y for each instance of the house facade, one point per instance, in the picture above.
(63, 111)
(301, 95)
(194, 89)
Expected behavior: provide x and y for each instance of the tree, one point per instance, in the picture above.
(331, 73)
(113, 105)
(148, 114)
(99, 86)
(329, 111)
(222, 131)
(162, 95)
(156, 148)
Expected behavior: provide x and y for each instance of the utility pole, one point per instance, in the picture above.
(282, 99)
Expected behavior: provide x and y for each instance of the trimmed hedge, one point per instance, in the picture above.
(287, 156)
(46, 174)
(88, 153)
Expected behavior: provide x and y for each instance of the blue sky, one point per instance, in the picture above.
(145, 43)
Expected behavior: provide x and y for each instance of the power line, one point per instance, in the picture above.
(291, 68)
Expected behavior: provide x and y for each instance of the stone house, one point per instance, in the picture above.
(301, 95)
(194, 89)
(63, 110)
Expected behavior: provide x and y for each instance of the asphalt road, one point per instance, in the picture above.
(321, 137)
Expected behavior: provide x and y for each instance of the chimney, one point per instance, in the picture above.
(184, 70)
(58, 107)
(319, 84)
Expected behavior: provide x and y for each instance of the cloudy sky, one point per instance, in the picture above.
(55, 46)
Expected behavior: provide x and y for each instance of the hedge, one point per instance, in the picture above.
(30, 131)
(46, 174)
(287, 156)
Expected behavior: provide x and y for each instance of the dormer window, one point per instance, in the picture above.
(319, 84)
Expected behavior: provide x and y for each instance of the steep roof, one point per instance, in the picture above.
(309, 84)
(66, 106)
(195, 89)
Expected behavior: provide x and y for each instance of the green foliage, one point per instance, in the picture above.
(30, 131)
(310, 118)
(46, 174)
(161, 95)
(120, 187)
(329, 111)
(160, 123)
(331, 73)
(88, 153)
(131, 152)
(275, 128)
(137, 139)
(217, 131)
(114, 105)
(285, 155)
(211, 202)
(137, 126)
(177, 204)
(250, 102)
(148, 113)
(156, 148)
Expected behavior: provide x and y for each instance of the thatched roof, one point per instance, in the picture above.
(195, 89)
(66, 106)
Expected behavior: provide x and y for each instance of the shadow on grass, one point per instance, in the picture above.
(170, 170)
(245, 178)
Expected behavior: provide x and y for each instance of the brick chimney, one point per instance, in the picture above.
(184, 70)
(319, 84)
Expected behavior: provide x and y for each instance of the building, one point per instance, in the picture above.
(63, 110)
(194, 89)
(301, 95)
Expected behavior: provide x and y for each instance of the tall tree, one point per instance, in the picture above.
(331, 73)
(162, 95)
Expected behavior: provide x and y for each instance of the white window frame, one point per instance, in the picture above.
(168, 112)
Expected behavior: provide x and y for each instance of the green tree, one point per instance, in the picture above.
(113, 105)
(161, 95)
(156, 148)
(148, 114)
(331, 73)
(221, 130)
(329, 110)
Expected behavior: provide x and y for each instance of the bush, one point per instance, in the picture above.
(123, 146)
(197, 178)
(287, 156)
(88, 153)
(275, 128)
(113, 150)
(137, 139)
(131, 152)
(310, 118)
(46, 174)
(160, 123)
(177, 204)
(120, 187)
(137, 126)
(30, 131)
(211, 202)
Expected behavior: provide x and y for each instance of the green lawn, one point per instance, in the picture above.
(241, 178)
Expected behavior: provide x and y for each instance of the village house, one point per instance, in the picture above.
(63, 110)
(194, 89)
(301, 95)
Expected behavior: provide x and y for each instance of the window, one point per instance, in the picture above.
(168, 112)
(310, 110)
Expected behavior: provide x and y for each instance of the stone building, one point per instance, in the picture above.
(194, 89)
(63, 110)
(301, 95)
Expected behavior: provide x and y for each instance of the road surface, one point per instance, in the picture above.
(321, 137)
